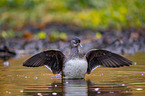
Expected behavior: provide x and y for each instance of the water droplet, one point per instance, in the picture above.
(99, 92)
(96, 89)
(135, 63)
(39, 94)
(35, 77)
(21, 90)
(142, 74)
(6, 63)
(111, 92)
(55, 85)
(139, 89)
(25, 76)
(123, 84)
(54, 93)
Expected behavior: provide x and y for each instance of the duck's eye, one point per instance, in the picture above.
(75, 42)
(79, 41)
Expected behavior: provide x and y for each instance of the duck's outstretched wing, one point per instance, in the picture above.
(105, 58)
(52, 58)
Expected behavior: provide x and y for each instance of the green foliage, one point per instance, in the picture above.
(55, 35)
(8, 34)
(85, 13)
(86, 4)
(98, 35)
(63, 36)
(41, 35)
(23, 4)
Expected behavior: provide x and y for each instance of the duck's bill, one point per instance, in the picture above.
(80, 45)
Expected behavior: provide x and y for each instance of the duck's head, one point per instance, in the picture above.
(75, 42)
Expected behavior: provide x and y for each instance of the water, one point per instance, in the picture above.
(16, 80)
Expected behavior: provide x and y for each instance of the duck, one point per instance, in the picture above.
(5, 52)
(76, 65)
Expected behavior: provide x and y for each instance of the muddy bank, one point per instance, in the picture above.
(124, 42)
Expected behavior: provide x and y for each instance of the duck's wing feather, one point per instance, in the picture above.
(105, 58)
(52, 58)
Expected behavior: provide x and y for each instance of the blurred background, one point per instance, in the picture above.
(18, 14)
(35, 25)
(31, 26)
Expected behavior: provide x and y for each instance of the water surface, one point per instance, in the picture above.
(16, 80)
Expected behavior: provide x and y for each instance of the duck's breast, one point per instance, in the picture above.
(75, 68)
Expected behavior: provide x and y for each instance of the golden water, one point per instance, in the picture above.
(16, 80)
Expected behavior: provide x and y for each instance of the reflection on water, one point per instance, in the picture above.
(16, 80)
(75, 87)
(78, 88)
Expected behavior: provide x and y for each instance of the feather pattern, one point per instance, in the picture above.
(75, 66)
(105, 58)
(52, 58)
